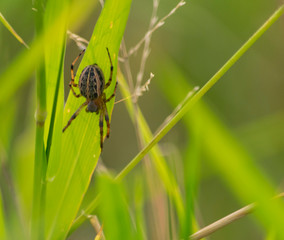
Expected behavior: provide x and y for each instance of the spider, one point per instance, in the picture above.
(92, 85)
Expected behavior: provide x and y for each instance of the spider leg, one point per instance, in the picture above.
(107, 122)
(73, 91)
(107, 100)
(101, 124)
(111, 71)
(72, 83)
(75, 115)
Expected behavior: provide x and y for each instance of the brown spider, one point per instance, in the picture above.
(92, 86)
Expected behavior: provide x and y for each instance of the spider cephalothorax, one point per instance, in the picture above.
(92, 86)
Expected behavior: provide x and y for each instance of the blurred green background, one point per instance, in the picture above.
(197, 40)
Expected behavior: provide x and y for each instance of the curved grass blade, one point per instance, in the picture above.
(69, 177)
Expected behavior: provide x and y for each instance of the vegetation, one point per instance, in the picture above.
(56, 186)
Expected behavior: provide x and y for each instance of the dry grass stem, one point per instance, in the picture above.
(222, 222)
(206, 231)
(127, 65)
(139, 92)
(146, 49)
(102, 3)
(141, 89)
(155, 27)
(98, 227)
(80, 42)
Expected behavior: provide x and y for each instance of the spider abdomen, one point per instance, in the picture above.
(91, 82)
(92, 86)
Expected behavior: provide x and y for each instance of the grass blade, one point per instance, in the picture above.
(69, 178)
(2, 220)
(40, 164)
(54, 61)
(113, 209)
(10, 28)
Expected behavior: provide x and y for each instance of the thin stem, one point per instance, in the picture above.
(146, 49)
(192, 101)
(83, 216)
(11, 29)
(37, 226)
(154, 28)
(213, 227)
(206, 231)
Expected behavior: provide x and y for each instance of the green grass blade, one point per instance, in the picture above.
(113, 210)
(54, 61)
(40, 165)
(69, 178)
(191, 165)
(57, 100)
(191, 102)
(8, 117)
(2, 220)
(139, 203)
(10, 28)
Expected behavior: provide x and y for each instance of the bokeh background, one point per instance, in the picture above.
(197, 40)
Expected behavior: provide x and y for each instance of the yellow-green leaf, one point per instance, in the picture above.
(70, 171)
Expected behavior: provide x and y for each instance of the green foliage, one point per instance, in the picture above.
(2, 221)
(79, 155)
(79, 152)
(131, 205)
(113, 209)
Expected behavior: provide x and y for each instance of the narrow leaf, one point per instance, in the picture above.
(70, 171)
(11, 29)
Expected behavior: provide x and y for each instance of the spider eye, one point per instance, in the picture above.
(92, 107)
